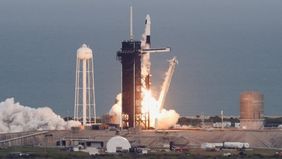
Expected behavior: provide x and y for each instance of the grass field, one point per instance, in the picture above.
(54, 153)
(38, 152)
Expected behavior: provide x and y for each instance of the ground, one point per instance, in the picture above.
(53, 153)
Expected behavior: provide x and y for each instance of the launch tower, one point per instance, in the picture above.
(130, 58)
(135, 56)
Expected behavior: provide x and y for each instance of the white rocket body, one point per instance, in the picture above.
(146, 44)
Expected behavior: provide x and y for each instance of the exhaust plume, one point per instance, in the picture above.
(115, 111)
(17, 118)
(165, 118)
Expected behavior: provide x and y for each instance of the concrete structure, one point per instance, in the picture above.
(84, 105)
(251, 110)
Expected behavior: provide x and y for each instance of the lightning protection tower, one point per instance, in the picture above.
(84, 106)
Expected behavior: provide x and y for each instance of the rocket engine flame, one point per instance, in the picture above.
(150, 105)
(165, 118)
(17, 118)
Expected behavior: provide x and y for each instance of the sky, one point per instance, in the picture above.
(224, 47)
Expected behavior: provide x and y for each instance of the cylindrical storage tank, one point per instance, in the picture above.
(251, 110)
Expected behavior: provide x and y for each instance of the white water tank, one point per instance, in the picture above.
(118, 143)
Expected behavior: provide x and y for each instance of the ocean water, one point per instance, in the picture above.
(223, 47)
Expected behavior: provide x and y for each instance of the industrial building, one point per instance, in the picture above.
(117, 143)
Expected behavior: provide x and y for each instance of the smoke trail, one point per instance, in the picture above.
(17, 118)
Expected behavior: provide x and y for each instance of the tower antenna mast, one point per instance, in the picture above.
(131, 24)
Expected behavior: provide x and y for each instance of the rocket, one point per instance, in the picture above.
(148, 30)
(146, 51)
(146, 55)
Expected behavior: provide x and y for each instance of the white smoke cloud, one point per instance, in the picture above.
(17, 118)
(165, 118)
(115, 111)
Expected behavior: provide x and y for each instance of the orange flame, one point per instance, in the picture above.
(150, 105)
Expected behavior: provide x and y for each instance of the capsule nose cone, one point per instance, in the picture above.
(84, 46)
(148, 19)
